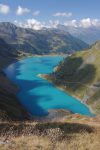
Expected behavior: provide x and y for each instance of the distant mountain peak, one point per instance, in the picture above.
(89, 35)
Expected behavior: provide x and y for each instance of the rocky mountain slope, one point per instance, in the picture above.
(44, 41)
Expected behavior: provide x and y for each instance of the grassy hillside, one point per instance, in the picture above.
(79, 75)
(44, 41)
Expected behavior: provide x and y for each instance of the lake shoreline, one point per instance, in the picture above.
(62, 89)
(14, 87)
(20, 59)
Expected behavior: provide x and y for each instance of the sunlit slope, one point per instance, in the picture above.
(79, 74)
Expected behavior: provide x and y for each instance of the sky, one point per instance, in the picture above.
(49, 13)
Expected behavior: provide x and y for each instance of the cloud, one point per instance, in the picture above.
(4, 9)
(72, 23)
(87, 22)
(20, 10)
(54, 24)
(36, 13)
(63, 14)
(84, 23)
(31, 23)
(20, 24)
(34, 24)
(37, 25)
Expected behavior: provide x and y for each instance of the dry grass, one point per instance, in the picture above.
(81, 141)
(49, 136)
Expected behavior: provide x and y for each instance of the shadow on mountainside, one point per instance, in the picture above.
(74, 74)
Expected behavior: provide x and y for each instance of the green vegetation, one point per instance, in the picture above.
(79, 75)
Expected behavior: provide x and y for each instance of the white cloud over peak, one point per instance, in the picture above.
(31, 23)
(37, 25)
(72, 23)
(84, 23)
(4, 9)
(36, 13)
(54, 24)
(20, 10)
(34, 24)
(87, 22)
(62, 14)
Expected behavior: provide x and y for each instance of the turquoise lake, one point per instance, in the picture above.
(37, 94)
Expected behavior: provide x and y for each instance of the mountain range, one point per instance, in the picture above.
(89, 35)
(45, 41)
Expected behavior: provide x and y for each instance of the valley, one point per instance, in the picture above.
(77, 74)
(41, 42)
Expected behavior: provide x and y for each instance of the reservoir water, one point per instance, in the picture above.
(37, 94)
